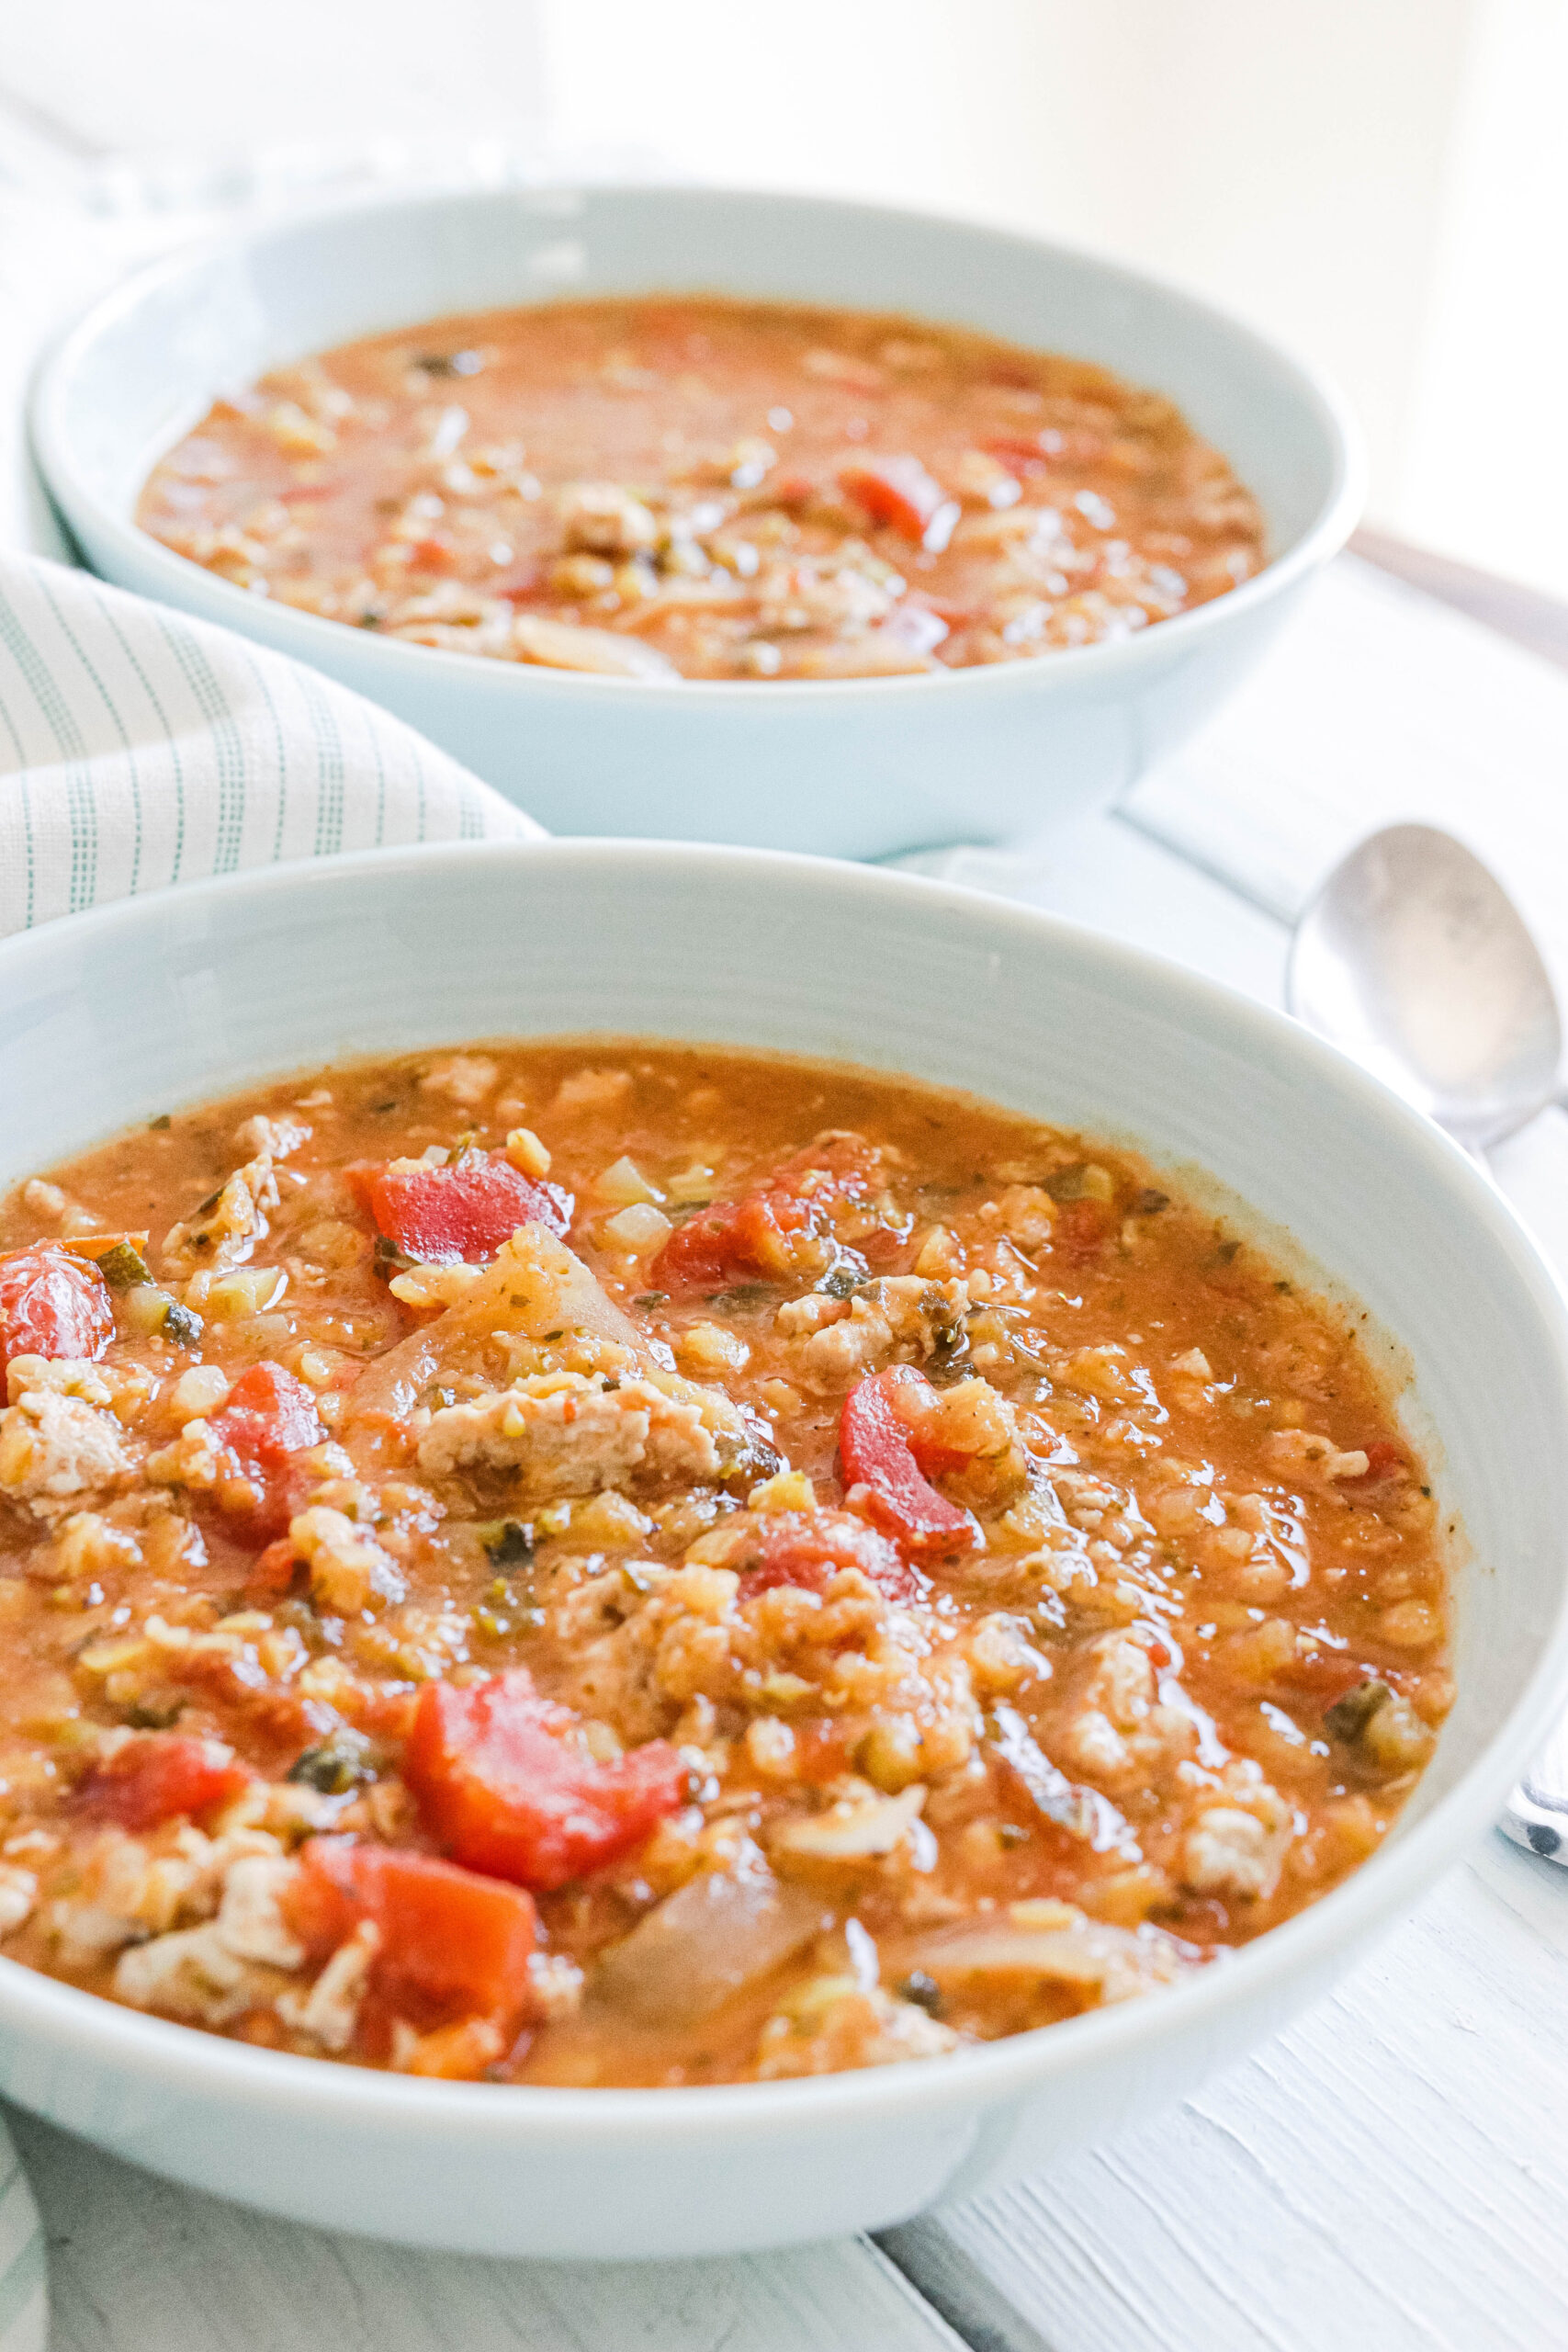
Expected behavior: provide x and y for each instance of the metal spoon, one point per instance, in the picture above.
(1415, 959)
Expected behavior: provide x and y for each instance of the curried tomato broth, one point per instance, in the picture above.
(683, 486)
(619, 1564)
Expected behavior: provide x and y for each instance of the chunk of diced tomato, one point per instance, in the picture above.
(453, 1944)
(895, 490)
(731, 1238)
(459, 1214)
(878, 1456)
(270, 1417)
(1384, 1460)
(1081, 1229)
(752, 1235)
(805, 1549)
(160, 1775)
(1326, 1674)
(502, 1785)
(52, 1304)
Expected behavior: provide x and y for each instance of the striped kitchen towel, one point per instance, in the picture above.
(138, 748)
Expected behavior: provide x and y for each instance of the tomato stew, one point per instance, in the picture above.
(708, 488)
(627, 1564)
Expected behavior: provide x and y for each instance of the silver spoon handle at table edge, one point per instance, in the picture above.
(1536, 1815)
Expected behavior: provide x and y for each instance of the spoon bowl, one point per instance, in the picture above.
(1413, 958)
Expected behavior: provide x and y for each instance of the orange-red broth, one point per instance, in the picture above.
(1173, 1684)
(675, 486)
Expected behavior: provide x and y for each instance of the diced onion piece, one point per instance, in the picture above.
(640, 1229)
(624, 1182)
(1054, 1943)
(559, 645)
(250, 1290)
(703, 1943)
(527, 1153)
(851, 1832)
(873, 653)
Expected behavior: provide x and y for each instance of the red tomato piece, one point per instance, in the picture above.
(453, 1944)
(896, 490)
(730, 1240)
(790, 488)
(273, 1571)
(803, 1548)
(460, 1216)
(52, 1304)
(1080, 1228)
(752, 1235)
(1327, 1675)
(1384, 1460)
(269, 1417)
(158, 1776)
(500, 1783)
(878, 1455)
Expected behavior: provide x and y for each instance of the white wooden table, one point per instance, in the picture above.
(1393, 2171)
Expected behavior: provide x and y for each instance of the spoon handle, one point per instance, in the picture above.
(1536, 1815)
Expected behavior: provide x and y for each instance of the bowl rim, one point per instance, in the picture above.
(298, 632)
(179, 2059)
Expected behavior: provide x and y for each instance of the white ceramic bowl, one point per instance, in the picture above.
(852, 767)
(114, 1016)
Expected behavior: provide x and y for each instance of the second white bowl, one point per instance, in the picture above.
(854, 767)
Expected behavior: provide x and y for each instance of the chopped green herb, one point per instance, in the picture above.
(160, 1123)
(513, 1547)
(181, 1325)
(551, 1335)
(839, 1282)
(338, 1764)
(387, 1254)
(1349, 1716)
(205, 1207)
(923, 1991)
(449, 363)
(151, 1714)
(652, 1298)
(743, 1296)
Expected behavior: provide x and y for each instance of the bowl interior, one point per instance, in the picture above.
(151, 358)
(115, 1016)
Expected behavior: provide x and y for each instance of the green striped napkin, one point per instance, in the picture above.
(138, 748)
